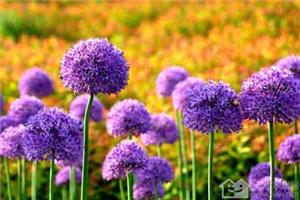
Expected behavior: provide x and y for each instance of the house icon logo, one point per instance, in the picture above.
(235, 190)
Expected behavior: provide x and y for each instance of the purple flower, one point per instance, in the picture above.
(52, 134)
(125, 158)
(94, 66)
(35, 82)
(212, 108)
(1, 104)
(168, 78)
(180, 93)
(142, 191)
(261, 190)
(163, 130)
(271, 94)
(128, 117)
(78, 106)
(63, 176)
(5, 122)
(291, 63)
(289, 150)
(11, 142)
(260, 171)
(23, 108)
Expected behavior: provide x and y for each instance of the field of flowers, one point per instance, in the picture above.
(210, 40)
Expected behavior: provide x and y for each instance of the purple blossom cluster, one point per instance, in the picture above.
(63, 176)
(291, 63)
(289, 150)
(94, 66)
(146, 190)
(163, 130)
(11, 143)
(5, 122)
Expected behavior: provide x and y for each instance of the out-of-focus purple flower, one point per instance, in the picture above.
(289, 150)
(52, 134)
(271, 94)
(1, 104)
(212, 108)
(35, 82)
(261, 190)
(128, 117)
(5, 122)
(146, 190)
(11, 142)
(125, 158)
(291, 63)
(260, 171)
(163, 130)
(94, 66)
(23, 108)
(63, 176)
(78, 106)
(180, 93)
(168, 78)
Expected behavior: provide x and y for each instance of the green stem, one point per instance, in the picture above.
(6, 165)
(129, 186)
(121, 189)
(51, 175)
(34, 180)
(156, 192)
(24, 172)
(19, 179)
(272, 158)
(210, 164)
(85, 166)
(72, 183)
(0, 177)
(297, 169)
(193, 151)
(64, 193)
(158, 150)
(295, 126)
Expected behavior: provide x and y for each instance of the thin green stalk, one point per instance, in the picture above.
(156, 192)
(272, 158)
(210, 164)
(34, 180)
(64, 193)
(6, 165)
(129, 186)
(179, 152)
(158, 150)
(121, 189)
(24, 172)
(85, 166)
(72, 183)
(19, 179)
(193, 151)
(297, 169)
(0, 177)
(51, 175)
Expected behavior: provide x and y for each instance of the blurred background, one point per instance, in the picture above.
(213, 40)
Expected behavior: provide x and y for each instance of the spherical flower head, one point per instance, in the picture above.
(180, 93)
(271, 94)
(78, 106)
(63, 176)
(168, 78)
(146, 190)
(11, 144)
(128, 117)
(291, 63)
(260, 171)
(261, 190)
(163, 130)
(5, 122)
(125, 158)
(212, 108)
(94, 66)
(53, 135)
(289, 150)
(23, 108)
(35, 82)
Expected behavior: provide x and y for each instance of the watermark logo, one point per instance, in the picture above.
(235, 190)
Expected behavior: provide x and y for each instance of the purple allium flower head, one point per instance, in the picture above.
(94, 66)
(125, 158)
(289, 150)
(180, 93)
(23, 108)
(271, 94)
(52, 134)
(11, 142)
(291, 63)
(35, 82)
(146, 190)
(78, 106)
(63, 176)
(163, 130)
(212, 108)
(168, 78)
(260, 171)
(5, 122)
(128, 117)
(261, 190)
